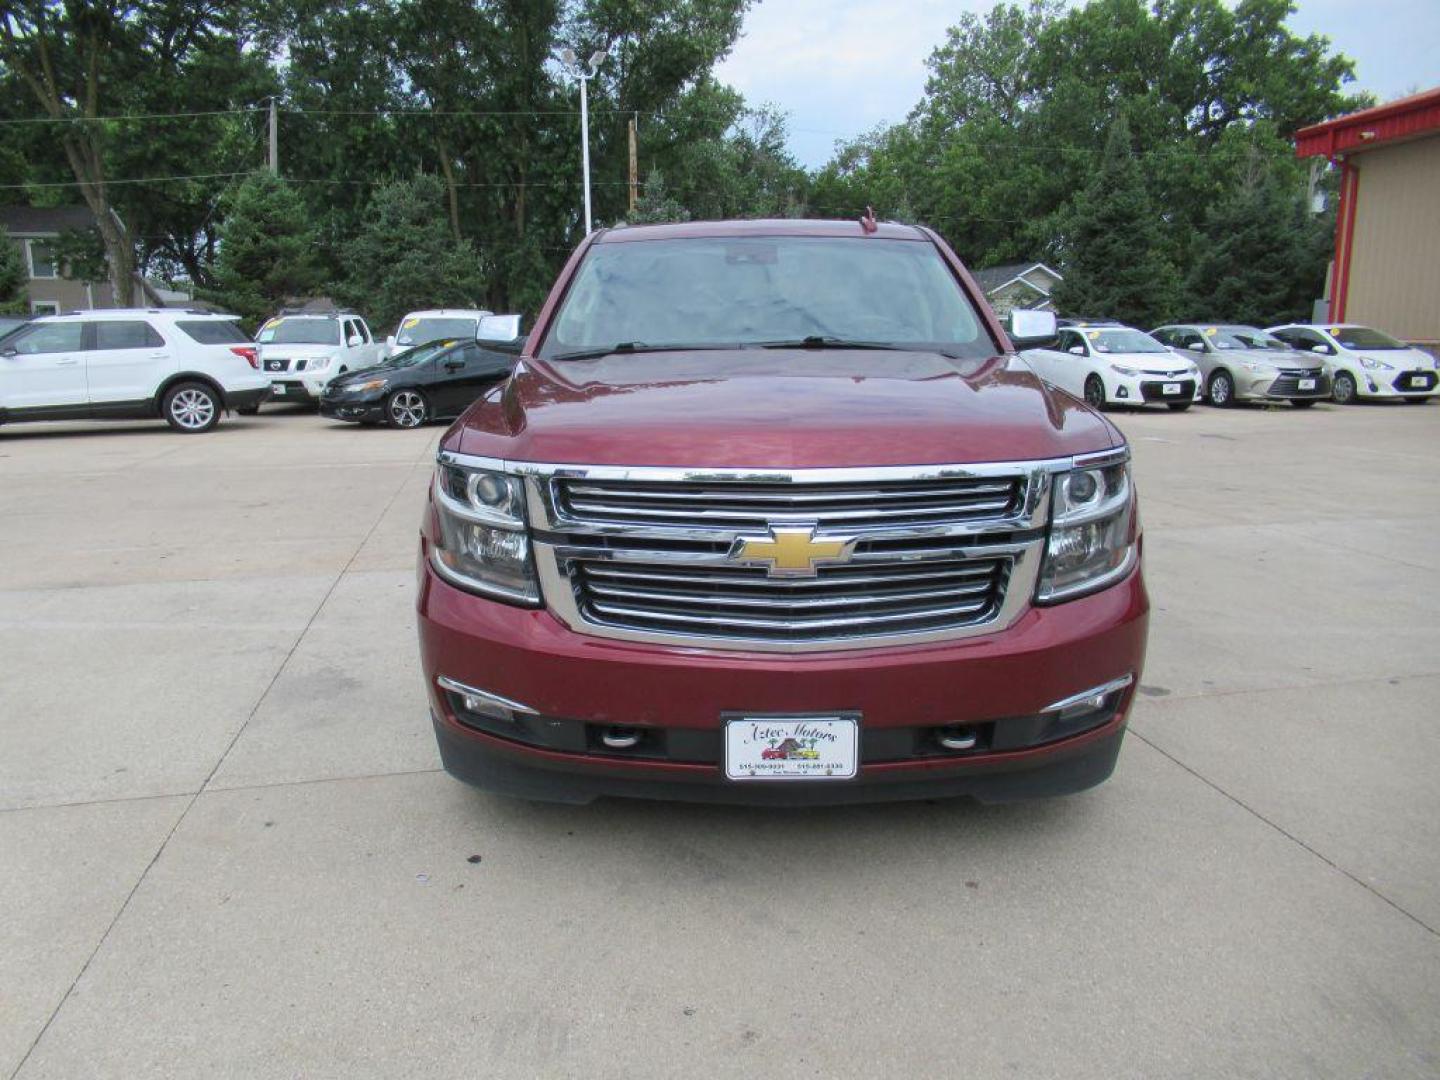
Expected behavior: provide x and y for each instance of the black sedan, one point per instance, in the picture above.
(428, 382)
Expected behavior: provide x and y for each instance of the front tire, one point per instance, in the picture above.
(406, 409)
(1095, 392)
(191, 407)
(1222, 390)
(1345, 391)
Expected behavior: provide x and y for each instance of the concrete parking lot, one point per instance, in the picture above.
(226, 848)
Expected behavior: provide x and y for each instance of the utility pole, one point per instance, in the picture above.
(634, 167)
(567, 57)
(274, 139)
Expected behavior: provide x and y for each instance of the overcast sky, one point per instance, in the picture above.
(839, 67)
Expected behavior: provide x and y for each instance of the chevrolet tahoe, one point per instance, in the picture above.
(771, 483)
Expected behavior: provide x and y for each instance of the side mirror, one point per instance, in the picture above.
(1195, 346)
(1323, 350)
(354, 341)
(1031, 329)
(7, 353)
(1076, 350)
(390, 342)
(498, 328)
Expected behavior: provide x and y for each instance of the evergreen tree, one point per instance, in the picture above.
(1262, 256)
(656, 204)
(13, 276)
(405, 255)
(1117, 262)
(268, 249)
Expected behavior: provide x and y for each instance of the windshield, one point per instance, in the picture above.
(755, 290)
(1362, 337)
(417, 355)
(415, 331)
(1123, 341)
(300, 331)
(1243, 337)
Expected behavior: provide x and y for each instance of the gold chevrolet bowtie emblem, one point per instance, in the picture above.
(792, 550)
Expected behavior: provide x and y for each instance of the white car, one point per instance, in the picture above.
(127, 364)
(1110, 364)
(303, 351)
(1364, 363)
(439, 324)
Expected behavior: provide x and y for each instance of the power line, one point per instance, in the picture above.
(124, 117)
(136, 180)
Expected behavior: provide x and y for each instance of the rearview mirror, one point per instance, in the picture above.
(498, 328)
(1030, 329)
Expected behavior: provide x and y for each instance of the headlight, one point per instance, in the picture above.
(373, 384)
(1127, 371)
(483, 544)
(318, 363)
(1374, 365)
(1092, 532)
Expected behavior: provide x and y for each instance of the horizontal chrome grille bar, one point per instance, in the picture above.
(834, 493)
(908, 574)
(868, 621)
(787, 603)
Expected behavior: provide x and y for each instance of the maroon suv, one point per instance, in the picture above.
(771, 512)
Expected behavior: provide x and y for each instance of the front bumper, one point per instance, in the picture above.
(1258, 387)
(1151, 390)
(996, 683)
(1417, 383)
(299, 386)
(339, 408)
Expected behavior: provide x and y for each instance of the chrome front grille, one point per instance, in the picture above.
(855, 600)
(912, 554)
(755, 505)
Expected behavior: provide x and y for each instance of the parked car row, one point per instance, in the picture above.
(1108, 363)
(189, 366)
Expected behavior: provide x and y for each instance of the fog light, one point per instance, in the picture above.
(483, 703)
(1122, 392)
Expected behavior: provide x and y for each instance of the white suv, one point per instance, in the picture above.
(126, 364)
(303, 351)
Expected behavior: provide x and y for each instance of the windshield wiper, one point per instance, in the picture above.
(827, 341)
(629, 347)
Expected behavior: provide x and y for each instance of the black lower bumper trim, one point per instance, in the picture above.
(1062, 770)
(352, 410)
(246, 399)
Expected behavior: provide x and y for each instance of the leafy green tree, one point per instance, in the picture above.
(84, 64)
(1117, 262)
(1262, 255)
(267, 249)
(406, 257)
(13, 276)
(656, 204)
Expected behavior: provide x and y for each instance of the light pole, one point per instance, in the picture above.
(567, 57)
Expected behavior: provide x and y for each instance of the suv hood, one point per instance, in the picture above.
(754, 408)
(298, 349)
(1291, 358)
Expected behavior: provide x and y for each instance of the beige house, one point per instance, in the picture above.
(1387, 229)
(1018, 285)
(36, 230)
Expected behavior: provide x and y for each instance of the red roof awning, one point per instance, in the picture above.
(1403, 119)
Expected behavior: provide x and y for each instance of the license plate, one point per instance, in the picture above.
(791, 748)
(279, 389)
(1419, 380)
(1306, 384)
(1172, 388)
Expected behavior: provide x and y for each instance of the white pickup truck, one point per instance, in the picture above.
(303, 351)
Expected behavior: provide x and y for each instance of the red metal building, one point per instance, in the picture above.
(1387, 229)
